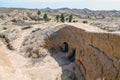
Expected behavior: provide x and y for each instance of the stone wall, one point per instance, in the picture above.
(97, 54)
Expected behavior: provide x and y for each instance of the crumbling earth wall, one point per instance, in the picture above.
(97, 54)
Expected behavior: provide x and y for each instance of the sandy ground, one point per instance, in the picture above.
(15, 67)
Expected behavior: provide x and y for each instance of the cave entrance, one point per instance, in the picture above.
(73, 56)
(65, 47)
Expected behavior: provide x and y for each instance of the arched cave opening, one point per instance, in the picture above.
(65, 47)
(73, 56)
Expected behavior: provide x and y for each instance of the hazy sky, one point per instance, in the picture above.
(90, 4)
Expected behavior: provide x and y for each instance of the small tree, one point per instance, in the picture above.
(45, 17)
(62, 18)
(70, 18)
(38, 13)
(57, 18)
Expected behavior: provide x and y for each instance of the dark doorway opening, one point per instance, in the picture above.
(72, 57)
(65, 47)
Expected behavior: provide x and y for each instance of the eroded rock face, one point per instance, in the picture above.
(9, 36)
(97, 54)
(33, 44)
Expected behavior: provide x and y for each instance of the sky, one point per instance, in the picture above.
(80, 4)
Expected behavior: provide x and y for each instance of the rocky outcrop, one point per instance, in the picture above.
(32, 46)
(10, 36)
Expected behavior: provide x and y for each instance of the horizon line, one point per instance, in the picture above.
(63, 7)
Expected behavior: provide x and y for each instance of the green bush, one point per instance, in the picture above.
(85, 22)
(4, 28)
(75, 21)
(110, 30)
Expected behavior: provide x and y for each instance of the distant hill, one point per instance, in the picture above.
(81, 13)
(100, 18)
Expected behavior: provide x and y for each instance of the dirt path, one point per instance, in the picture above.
(6, 68)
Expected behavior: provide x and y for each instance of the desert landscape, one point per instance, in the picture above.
(59, 44)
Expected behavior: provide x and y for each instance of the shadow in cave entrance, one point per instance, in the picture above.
(67, 64)
(65, 47)
(72, 57)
